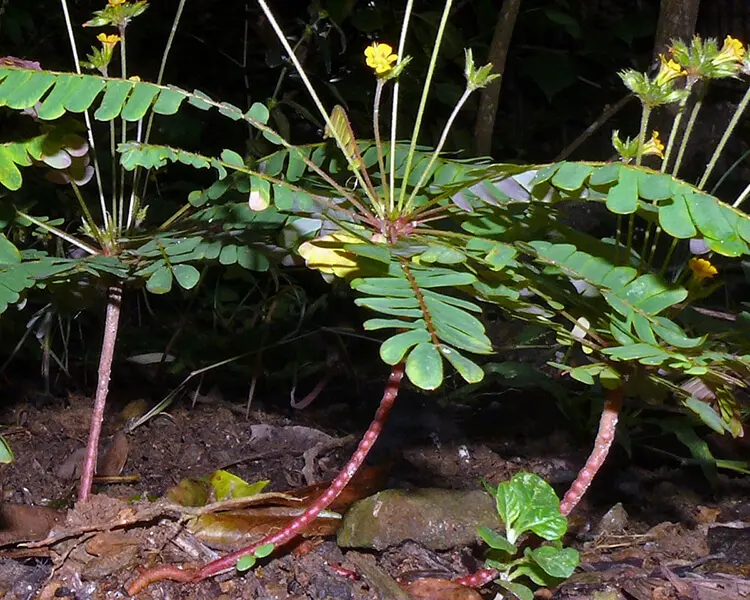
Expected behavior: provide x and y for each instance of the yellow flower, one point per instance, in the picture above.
(702, 269)
(327, 254)
(108, 41)
(732, 50)
(668, 71)
(380, 57)
(654, 146)
(116, 2)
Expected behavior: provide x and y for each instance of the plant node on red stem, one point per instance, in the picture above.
(301, 522)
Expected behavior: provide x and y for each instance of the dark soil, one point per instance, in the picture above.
(673, 536)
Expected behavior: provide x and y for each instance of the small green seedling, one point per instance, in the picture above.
(248, 560)
(527, 503)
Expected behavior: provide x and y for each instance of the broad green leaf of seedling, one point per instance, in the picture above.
(496, 541)
(517, 589)
(264, 550)
(557, 562)
(248, 560)
(528, 503)
(245, 562)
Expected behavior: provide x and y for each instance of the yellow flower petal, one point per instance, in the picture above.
(733, 48)
(702, 269)
(654, 146)
(668, 71)
(327, 255)
(108, 39)
(380, 57)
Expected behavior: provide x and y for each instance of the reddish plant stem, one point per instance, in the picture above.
(317, 390)
(603, 442)
(479, 579)
(111, 324)
(294, 528)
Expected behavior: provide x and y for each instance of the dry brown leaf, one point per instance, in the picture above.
(440, 589)
(115, 456)
(366, 482)
(232, 530)
(21, 523)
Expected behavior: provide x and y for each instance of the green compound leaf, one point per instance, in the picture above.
(622, 198)
(9, 254)
(675, 219)
(417, 303)
(187, 276)
(639, 299)
(682, 210)
(467, 368)
(393, 350)
(571, 176)
(424, 366)
(131, 100)
(161, 281)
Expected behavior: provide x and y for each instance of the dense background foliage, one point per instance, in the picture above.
(560, 73)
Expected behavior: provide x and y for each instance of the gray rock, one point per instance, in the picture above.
(438, 519)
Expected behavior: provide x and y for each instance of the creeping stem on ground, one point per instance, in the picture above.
(294, 528)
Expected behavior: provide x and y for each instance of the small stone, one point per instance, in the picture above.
(614, 521)
(437, 519)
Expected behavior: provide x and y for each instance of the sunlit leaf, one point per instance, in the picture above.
(227, 485)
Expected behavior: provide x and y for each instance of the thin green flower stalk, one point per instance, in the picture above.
(742, 197)
(438, 149)
(475, 79)
(725, 138)
(423, 101)
(100, 60)
(316, 100)
(123, 131)
(113, 166)
(618, 239)
(668, 257)
(652, 92)
(688, 131)
(59, 233)
(376, 131)
(87, 216)
(306, 35)
(133, 201)
(86, 115)
(675, 128)
(645, 116)
(150, 123)
(394, 105)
